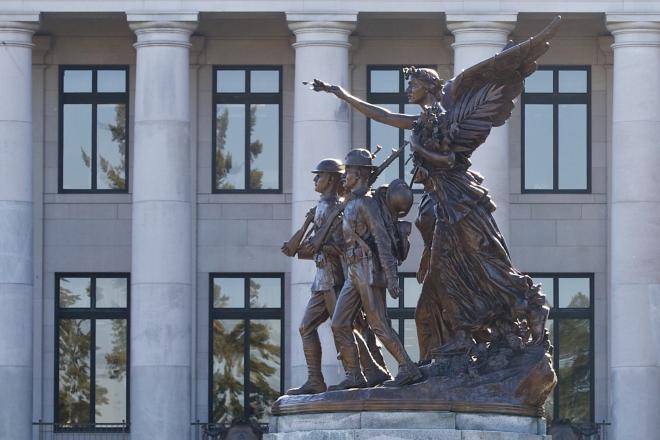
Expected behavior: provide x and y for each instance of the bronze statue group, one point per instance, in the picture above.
(473, 300)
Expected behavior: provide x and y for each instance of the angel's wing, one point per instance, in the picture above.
(481, 97)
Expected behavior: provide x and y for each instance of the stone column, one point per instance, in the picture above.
(320, 129)
(16, 225)
(476, 38)
(161, 295)
(634, 238)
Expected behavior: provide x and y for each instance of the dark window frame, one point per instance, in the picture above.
(246, 314)
(401, 312)
(92, 313)
(399, 98)
(558, 314)
(555, 99)
(246, 98)
(94, 98)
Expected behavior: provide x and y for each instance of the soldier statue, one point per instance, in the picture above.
(371, 267)
(324, 244)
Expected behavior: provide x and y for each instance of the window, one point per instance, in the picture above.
(570, 297)
(91, 349)
(401, 313)
(93, 127)
(246, 345)
(247, 122)
(386, 87)
(556, 130)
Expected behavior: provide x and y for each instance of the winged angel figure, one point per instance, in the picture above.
(472, 296)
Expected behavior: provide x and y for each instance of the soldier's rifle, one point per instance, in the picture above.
(316, 242)
(292, 246)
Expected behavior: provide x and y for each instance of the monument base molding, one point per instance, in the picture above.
(418, 425)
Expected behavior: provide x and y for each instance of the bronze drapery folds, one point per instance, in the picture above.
(481, 323)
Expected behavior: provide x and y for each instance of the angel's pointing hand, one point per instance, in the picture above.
(321, 86)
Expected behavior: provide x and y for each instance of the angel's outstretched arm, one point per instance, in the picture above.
(371, 111)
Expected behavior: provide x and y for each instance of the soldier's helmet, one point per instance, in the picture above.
(359, 157)
(399, 197)
(329, 165)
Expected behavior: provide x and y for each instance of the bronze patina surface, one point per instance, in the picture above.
(481, 322)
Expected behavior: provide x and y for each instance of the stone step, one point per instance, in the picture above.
(402, 434)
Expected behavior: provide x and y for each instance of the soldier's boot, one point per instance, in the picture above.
(312, 350)
(354, 377)
(373, 372)
(408, 373)
(314, 385)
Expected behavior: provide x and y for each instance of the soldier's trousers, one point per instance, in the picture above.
(358, 293)
(320, 307)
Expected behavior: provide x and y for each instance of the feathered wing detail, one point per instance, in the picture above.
(481, 97)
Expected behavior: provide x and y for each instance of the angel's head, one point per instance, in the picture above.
(425, 85)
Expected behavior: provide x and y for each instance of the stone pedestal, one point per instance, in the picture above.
(419, 425)
(478, 37)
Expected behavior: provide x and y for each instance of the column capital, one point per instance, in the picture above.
(481, 29)
(17, 28)
(634, 29)
(321, 29)
(162, 29)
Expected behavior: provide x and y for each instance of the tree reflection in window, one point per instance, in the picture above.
(93, 129)
(570, 327)
(247, 141)
(92, 383)
(246, 365)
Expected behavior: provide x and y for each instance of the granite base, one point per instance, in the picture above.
(418, 425)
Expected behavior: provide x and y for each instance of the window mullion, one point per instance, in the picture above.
(248, 109)
(555, 146)
(92, 163)
(92, 372)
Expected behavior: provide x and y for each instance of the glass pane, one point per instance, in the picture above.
(574, 292)
(112, 292)
(539, 82)
(265, 292)
(388, 138)
(74, 392)
(111, 146)
(111, 81)
(75, 292)
(410, 339)
(264, 146)
(231, 81)
(391, 363)
(411, 291)
(391, 303)
(230, 146)
(410, 109)
(384, 81)
(78, 81)
(228, 372)
(572, 146)
(547, 287)
(550, 327)
(111, 375)
(574, 374)
(572, 81)
(264, 81)
(229, 292)
(77, 146)
(265, 366)
(538, 146)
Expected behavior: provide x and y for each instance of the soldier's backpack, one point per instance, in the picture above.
(394, 201)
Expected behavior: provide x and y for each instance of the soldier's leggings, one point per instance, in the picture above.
(320, 307)
(357, 292)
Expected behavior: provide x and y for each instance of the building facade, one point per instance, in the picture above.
(155, 155)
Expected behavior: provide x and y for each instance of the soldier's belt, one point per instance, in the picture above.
(355, 254)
